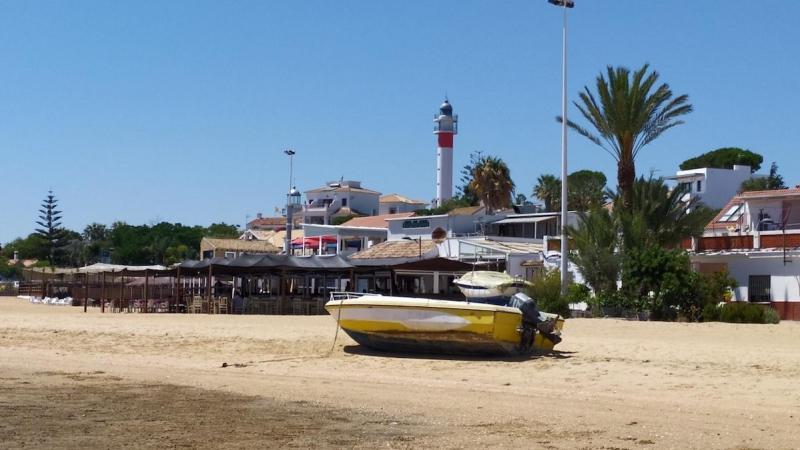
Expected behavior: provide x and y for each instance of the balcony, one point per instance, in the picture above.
(720, 243)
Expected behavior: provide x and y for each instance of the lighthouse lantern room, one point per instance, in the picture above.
(445, 127)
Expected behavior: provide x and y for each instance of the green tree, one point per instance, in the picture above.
(33, 246)
(627, 113)
(548, 190)
(586, 190)
(725, 158)
(74, 250)
(491, 182)
(520, 199)
(464, 191)
(222, 230)
(667, 274)
(595, 244)
(95, 238)
(773, 181)
(50, 226)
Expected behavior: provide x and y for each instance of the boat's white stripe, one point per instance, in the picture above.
(414, 319)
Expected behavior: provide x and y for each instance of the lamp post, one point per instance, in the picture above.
(564, 4)
(292, 201)
(419, 241)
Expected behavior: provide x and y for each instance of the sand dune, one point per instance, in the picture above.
(69, 379)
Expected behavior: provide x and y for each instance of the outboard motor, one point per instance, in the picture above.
(530, 319)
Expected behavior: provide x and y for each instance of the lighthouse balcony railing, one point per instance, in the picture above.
(438, 128)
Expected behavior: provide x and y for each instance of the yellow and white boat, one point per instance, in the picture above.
(400, 324)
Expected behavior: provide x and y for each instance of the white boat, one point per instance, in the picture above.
(400, 324)
(489, 287)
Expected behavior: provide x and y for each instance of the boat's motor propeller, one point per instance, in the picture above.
(530, 319)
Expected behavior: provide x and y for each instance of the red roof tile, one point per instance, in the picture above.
(374, 221)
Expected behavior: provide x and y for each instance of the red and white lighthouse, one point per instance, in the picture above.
(445, 127)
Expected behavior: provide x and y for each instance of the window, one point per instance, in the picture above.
(344, 202)
(699, 185)
(392, 210)
(417, 223)
(230, 255)
(758, 288)
(733, 213)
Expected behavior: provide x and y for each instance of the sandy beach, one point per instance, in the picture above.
(70, 379)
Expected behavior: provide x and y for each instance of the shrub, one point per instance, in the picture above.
(742, 312)
(771, 316)
(546, 290)
(577, 293)
(711, 313)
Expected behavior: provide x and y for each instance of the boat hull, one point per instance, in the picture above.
(431, 326)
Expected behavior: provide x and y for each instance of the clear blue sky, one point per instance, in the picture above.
(179, 110)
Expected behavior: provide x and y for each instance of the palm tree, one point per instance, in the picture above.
(659, 216)
(491, 182)
(630, 114)
(548, 190)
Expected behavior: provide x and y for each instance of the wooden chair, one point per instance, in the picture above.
(196, 307)
(222, 305)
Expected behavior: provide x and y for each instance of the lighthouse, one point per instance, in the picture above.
(445, 127)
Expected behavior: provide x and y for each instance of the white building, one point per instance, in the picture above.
(756, 238)
(714, 187)
(460, 221)
(397, 204)
(339, 198)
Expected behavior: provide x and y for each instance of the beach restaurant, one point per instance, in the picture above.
(265, 284)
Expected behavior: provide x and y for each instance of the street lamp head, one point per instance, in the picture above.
(289, 152)
(564, 3)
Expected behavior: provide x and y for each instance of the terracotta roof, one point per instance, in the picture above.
(375, 221)
(239, 245)
(267, 222)
(395, 249)
(275, 238)
(466, 211)
(24, 262)
(775, 193)
(397, 198)
(715, 224)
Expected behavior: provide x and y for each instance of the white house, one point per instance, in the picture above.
(460, 221)
(756, 237)
(396, 204)
(339, 198)
(714, 187)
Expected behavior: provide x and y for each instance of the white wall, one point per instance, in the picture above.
(785, 278)
(363, 202)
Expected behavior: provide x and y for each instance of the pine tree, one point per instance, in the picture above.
(50, 223)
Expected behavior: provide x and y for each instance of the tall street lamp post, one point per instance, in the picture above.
(564, 4)
(419, 243)
(292, 202)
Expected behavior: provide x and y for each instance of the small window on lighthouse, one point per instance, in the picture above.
(344, 202)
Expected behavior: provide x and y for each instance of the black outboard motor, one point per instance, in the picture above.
(530, 319)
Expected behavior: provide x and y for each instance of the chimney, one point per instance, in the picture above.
(16, 257)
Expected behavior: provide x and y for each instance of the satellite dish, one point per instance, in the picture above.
(439, 235)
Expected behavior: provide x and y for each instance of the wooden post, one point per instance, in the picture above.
(85, 291)
(179, 288)
(103, 293)
(208, 286)
(146, 288)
